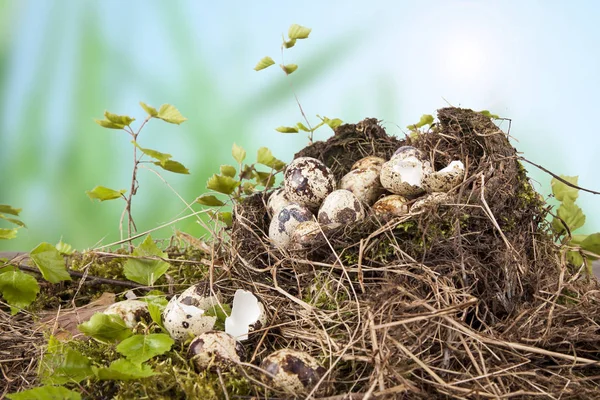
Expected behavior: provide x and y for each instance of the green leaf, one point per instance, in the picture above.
(7, 234)
(574, 258)
(488, 114)
(50, 263)
(103, 193)
(108, 124)
(155, 312)
(170, 114)
(247, 172)
(426, 119)
(173, 166)
(150, 110)
(157, 155)
(571, 214)
(62, 364)
(141, 348)
(18, 289)
(562, 191)
(64, 248)
(301, 126)
(298, 32)
(12, 220)
(265, 62)
(209, 200)
(288, 44)
(238, 153)
(333, 123)
(123, 370)
(248, 187)
(592, 244)
(289, 68)
(287, 129)
(45, 393)
(118, 119)
(146, 271)
(225, 217)
(222, 184)
(105, 328)
(228, 170)
(265, 179)
(265, 157)
(5, 208)
(221, 312)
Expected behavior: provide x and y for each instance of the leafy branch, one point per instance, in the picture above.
(6, 234)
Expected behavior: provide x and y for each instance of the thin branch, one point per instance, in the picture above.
(558, 177)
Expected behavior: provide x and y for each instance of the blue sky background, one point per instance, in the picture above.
(62, 63)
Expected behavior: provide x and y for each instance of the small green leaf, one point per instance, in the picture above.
(123, 370)
(150, 110)
(562, 191)
(221, 311)
(141, 348)
(209, 200)
(265, 62)
(118, 119)
(238, 153)
(426, 119)
(488, 114)
(265, 179)
(18, 289)
(592, 244)
(5, 208)
(45, 393)
(332, 123)
(105, 328)
(289, 68)
(228, 170)
(225, 217)
(157, 155)
(108, 124)
(287, 129)
(248, 187)
(265, 157)
(12, 220)
(155, 312)
(103, 193)
(288, 44)
(222, 184)
(574, 258)
(173, 166)
(64, 365)
(571, 214)
(301, 126)
(298, 32)
(50, 263)
(146, 271)
(7, 234)
(170, 114)
(247, 172)
(64, 248)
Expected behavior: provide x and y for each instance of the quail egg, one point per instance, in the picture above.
(293, 371)
(391, 206)
(277, 200)
(444, 179)
(285, 222)
(430, 200)
(364, 183)
(130, 311)
(307, 181)
(247, 315)
(404, 174)
(409, 151)
(342, 207)
(306, 235)
(184, 315)
(215, 349)
(368, 162)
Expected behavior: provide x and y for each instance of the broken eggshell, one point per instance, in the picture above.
(307, 181)
(342, 207)
(285, 222)
(130, 311)
(364, 183)
(430, 200)
(277, 200)
(409, 151)
(391, 206)
(247, 315)
(444, 179)
(404, 175)
(215, 349)
(293, 371)
(368, 162)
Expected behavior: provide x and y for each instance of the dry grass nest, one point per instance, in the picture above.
(467, 299)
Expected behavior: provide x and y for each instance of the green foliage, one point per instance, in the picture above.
(488, 114)
(5, 233)
(298, 32)
(238, 153)
(170, 114)
(265, 62)
(222, 184)
(122, 370)
(18, 289)
(221, 311)
(61, 364)
(426, 119)
(50, 263)
(144, 270)
(103, 193)
(140, 348)
(209, 200)
(45, 393)
(105, 328)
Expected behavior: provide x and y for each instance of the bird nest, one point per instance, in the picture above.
(468, 298)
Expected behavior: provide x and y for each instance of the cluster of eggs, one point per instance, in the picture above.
(310, 202)
(185, 317)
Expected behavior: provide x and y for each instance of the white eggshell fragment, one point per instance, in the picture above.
(444, 179)
(391, 206)
(430, 200)
(215, 349)
(277, 200)
(130, 311)
(404, 175)
(368, 162)
(342, 207)
(293, 371)
(285, 222)
(307, 181)
(247, 314)
(364, 183)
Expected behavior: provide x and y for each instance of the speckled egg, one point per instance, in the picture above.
(130, 311)
(285, 222)
(404, 175)
(368, 162)
(293, 371)
(391, 206)
(444, 179)
(342, 207)
(215, 349)
(364, 183)
(306, 235)
(277, 200)
(307, 181)
(184, 317)
(409, 151)
(430, 200)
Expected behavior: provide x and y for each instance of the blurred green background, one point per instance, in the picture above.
(62, 63)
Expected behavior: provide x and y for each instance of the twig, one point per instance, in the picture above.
(558, 177)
